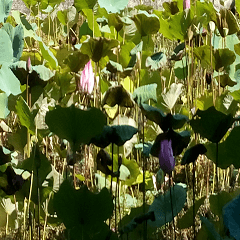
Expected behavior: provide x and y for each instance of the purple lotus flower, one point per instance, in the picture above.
(166, 159)
(87, 78)
(186, 4)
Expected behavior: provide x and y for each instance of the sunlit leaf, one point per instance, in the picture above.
(144, 93)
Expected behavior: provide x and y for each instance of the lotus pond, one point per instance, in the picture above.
(119, 122)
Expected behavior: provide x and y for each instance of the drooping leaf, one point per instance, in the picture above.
(113, 6)
(114, 67)
(118, 95)
(76, 61)
(156, 61)
(144, 93)
(192, 153)
(38, 76)
(98, 47)
(161, 205)
(225, 80)
(75, 125)
(227, 151)
(223, 58)
(7, 208)
(146, 23)
(211, 124)
(117, 134)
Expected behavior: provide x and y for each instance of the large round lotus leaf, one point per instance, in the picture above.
(156, 61)
(144, 93)
(167, 205)
(117, 134)
(192, 153)
(179, 142)
(75, 125)
(228, 151)
(146, 23)
(8, 81)
(223, 58)
(113, 6)
(5, 8)
(39, 75)
(118, 95)
(82, 207)
(97, 48)
(225, 80)
(186, 220)
(211, 124)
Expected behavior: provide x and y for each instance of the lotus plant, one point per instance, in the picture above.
(166, 159)
(87, 78)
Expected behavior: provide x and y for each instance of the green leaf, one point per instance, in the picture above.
(192, 153)
(237, 3)
(187, 220)
(225, 80)
(227, 151)
(84, 4)
(6, 51)
(203, 53)
(75, 125)
(156, 61)
(8, 82)
(117, 134)
(4, 105)
(161, 205)
(144, 93)
(30, 3)
(118, 95)
(98, 47)
(5, 8)
(26, 117)
(48, 55)
(223, 58)
(211, 124)
(146, 23)
(76, 61)
(114, 67)
(113, 5)
(82, 206)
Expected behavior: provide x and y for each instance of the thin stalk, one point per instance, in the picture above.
(172, 207)
(7, 225)
(194, 227)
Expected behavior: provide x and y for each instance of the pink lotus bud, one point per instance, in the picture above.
(87, 78)
(186, 4)
(28, 65)
(166, 159)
